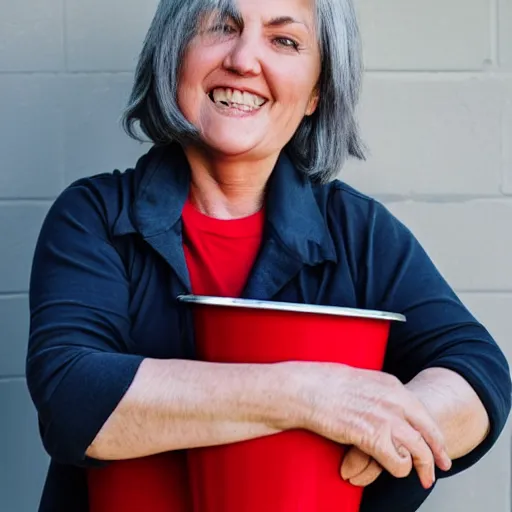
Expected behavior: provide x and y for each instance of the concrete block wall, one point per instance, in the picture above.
(436, 114)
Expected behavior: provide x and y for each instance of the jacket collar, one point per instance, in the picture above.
(293, 215)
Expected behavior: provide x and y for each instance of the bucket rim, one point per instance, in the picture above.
(207, 300)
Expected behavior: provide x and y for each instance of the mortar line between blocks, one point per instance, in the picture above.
(499, 293)
(13, 295)
(31, 201)
(11, 378)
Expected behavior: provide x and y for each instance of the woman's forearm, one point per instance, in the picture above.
(175, 404)
(455, 406)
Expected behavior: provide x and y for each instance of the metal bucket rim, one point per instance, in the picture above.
(205, 300)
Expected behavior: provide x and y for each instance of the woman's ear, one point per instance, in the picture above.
(313, 102)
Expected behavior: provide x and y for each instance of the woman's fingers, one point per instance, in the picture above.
(354, 463)
(410, 441)
(393, 457)
(416, 439)
(407, 449)
(421, 420)
(359, 468)
(368, 476)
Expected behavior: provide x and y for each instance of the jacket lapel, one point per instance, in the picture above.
(296, 233)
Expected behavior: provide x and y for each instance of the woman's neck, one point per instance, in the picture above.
(227, 188)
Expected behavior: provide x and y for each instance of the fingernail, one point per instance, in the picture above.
(403, 452)
(447, 462)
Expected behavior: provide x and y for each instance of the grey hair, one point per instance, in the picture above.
(321, 143)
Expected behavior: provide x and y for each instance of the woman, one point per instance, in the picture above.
(251, 109)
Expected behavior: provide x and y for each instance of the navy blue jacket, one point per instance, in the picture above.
(109, 265)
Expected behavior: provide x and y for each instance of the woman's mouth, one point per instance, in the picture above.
(235, 99)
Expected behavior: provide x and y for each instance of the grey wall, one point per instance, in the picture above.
(436, 112)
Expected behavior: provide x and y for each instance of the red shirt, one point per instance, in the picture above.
(220, 253)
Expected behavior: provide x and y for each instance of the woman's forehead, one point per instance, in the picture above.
(299, 10)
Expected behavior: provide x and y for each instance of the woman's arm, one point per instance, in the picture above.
(176, 404)
(454, 406)
(184, 404)
(446, 357)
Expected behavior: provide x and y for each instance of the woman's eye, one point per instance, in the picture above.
(286, 42)
(222, 28)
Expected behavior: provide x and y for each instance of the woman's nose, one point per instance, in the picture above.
(243, 59)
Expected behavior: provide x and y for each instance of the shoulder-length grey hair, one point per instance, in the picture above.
(322, 141)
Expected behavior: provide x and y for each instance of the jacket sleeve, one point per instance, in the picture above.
(440, 331)
(78, 364)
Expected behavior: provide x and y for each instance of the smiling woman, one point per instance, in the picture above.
(251, 109)
(307, 62)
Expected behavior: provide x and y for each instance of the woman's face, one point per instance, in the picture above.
(247, 88)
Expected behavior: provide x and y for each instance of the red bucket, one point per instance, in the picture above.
(295, 470)
(158, 483)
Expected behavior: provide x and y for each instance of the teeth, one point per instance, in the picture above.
(220, 96)
(258, 100)
(239, 98)
(248, 99)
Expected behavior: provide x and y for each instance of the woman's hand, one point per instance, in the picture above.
(376, 413)
(455, 407)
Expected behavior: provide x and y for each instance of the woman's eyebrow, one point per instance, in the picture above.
(285, 20)
(230, 12)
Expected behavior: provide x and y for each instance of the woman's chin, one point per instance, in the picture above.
(231, 147)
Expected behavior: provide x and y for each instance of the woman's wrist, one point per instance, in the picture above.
(301, 391)
(282, 398)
